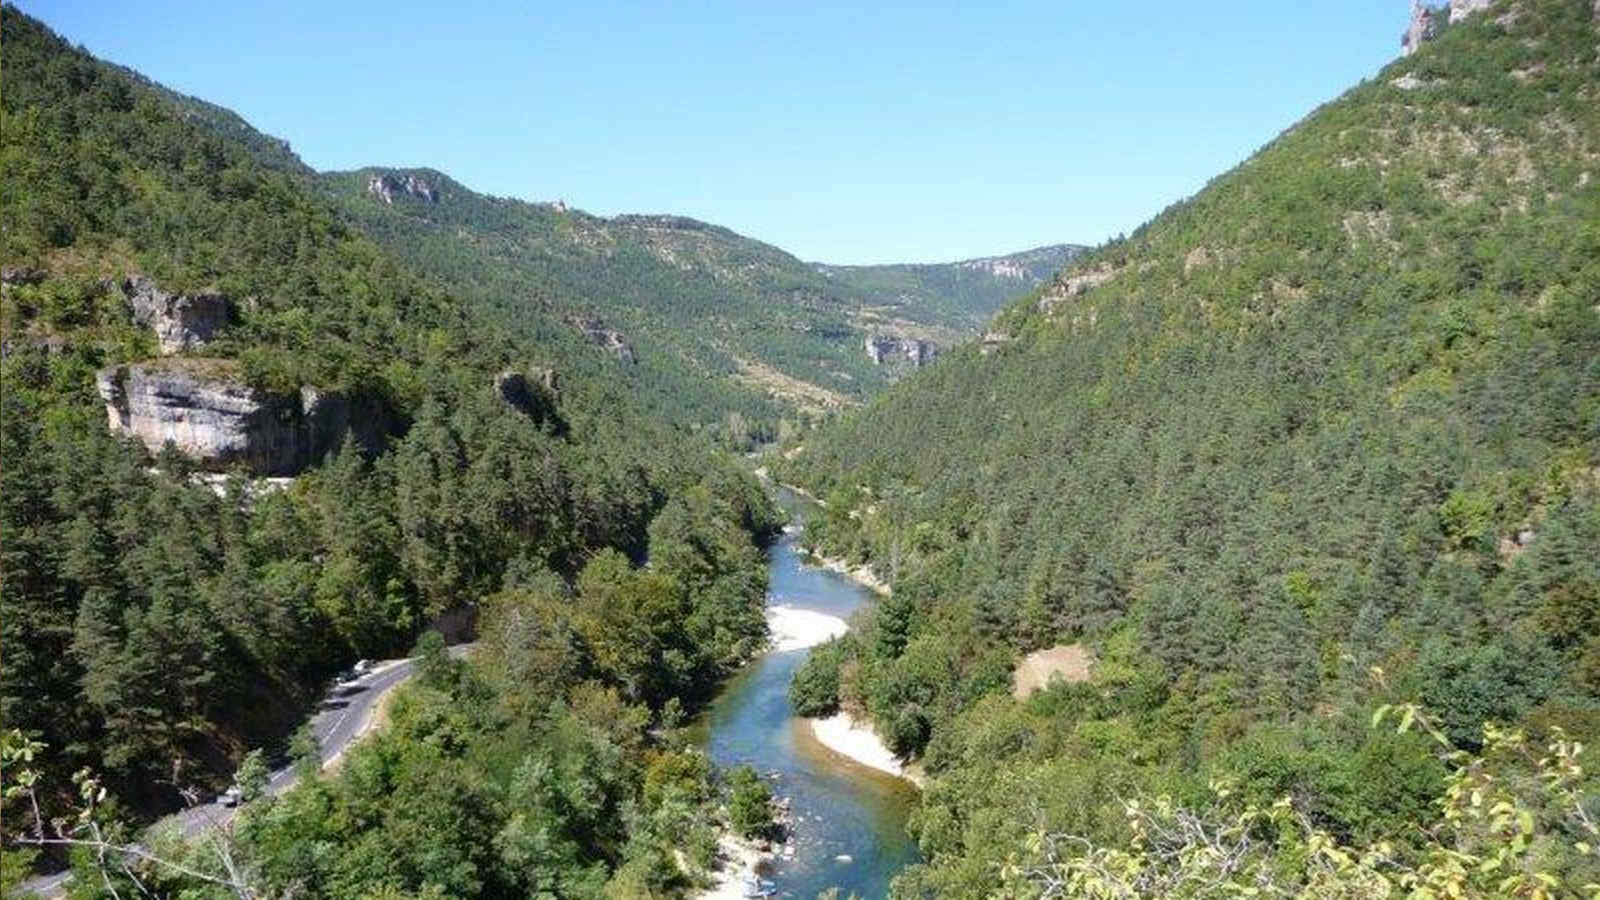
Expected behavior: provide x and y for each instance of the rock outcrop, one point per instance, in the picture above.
(1075, 286)
(535, 393)
(1424, 26)
(181, 321)
(218, 421)
(598, 334)
(389, 185)
(1460, 9)
(888, 349)
(10, 275)
(1513, 545)
(1427, 21)
(998, 267)
(992, 341)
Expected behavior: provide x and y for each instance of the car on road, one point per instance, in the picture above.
(354, 673)
(231, 796)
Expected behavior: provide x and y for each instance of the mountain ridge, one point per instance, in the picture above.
(756, 336)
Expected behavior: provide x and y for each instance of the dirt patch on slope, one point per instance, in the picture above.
(1070, 662)
(812, 398)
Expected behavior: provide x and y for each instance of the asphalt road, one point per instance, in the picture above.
(343, 716)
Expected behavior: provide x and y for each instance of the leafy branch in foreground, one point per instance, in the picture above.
(88, 829)
(1516, 819)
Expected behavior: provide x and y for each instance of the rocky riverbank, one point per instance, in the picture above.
(862, 575)
(740, 865)
(860, 743)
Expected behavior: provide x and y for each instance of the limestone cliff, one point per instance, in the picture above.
(1424, 26)
(214, 418)
(1426, 21)
(889, 349)
(181, 321)
(388, 186)
(1460, 9)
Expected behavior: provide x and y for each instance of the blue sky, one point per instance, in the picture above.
(848, 133)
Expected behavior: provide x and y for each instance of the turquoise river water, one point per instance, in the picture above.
(849, 820)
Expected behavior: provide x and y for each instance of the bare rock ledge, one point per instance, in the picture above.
(218, 421)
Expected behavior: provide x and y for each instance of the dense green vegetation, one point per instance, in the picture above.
(553, 763)
(524, 773)
(1339, 410)
(156, 627)
(707, 312)
(749, 804)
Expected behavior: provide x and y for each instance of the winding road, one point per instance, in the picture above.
(342, 717)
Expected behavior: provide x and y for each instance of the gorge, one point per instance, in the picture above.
(1252, 548)
(847, 821)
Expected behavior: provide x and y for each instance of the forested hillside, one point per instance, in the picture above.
(721, 331)
(1338, 411)
(963, 294)
(159, 621)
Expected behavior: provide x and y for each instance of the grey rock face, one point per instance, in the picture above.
(1460, 9)
(389, 185)
(220, 422)
(889, 349)
(20, 275)
(1424, 26)
(1065, 288)
(598, 334)
(1426, 21)
(181, 321)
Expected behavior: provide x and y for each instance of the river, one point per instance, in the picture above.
(849, 821)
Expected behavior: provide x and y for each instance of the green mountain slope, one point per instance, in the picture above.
(159, 621)
(726, 331)
(1341, 409)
